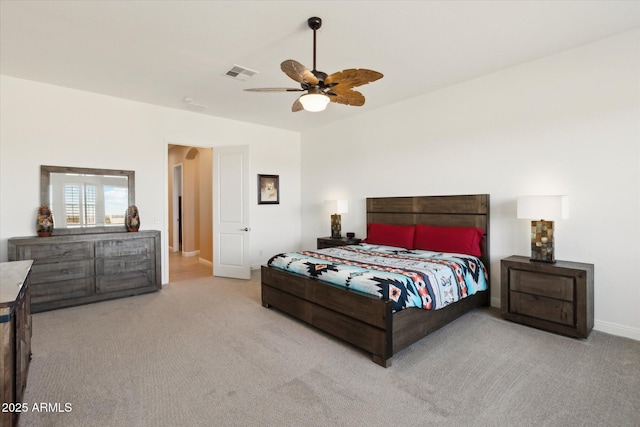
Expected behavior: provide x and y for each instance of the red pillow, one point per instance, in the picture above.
(460, 240)
(400, 236)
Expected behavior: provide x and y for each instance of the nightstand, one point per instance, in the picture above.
(330, 242)
(554, 297)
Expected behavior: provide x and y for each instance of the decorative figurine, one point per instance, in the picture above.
(132, 219)
(44, 223)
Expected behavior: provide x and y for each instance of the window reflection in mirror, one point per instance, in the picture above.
(82, 197)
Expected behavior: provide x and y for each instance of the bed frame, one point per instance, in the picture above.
(364, 320)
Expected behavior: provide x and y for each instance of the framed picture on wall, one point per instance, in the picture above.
(268, 189)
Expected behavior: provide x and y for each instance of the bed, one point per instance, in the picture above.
(370, 322)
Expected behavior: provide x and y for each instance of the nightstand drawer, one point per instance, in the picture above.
(549, 309)
(548, 285)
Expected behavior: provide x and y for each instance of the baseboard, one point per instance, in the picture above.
(192, 253)
(615, 329)
(495, 302)
(205, 262)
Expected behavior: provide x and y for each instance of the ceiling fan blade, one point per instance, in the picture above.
(298, 72)
(273, 89)
(347, 97)
(351, 78)
(297, 106)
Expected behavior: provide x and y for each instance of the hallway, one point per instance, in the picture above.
(183, 268)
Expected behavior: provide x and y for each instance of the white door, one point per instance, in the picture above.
(231, 229)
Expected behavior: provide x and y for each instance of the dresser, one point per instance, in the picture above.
(78, 269)
(15, 336)
(555, 297)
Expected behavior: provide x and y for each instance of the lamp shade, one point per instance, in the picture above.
(549, 208)
(314, 102)
(342, 206)
(337, 206)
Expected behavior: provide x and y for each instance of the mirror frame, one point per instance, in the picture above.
(45, 182)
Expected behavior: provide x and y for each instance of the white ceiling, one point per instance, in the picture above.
(160, 52)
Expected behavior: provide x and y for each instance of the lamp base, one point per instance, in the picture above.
(542, 248)
(335, 226)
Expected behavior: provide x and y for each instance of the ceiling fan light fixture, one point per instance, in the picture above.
(314, 102)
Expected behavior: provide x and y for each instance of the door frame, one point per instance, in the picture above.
(175, 205)
(165, 174)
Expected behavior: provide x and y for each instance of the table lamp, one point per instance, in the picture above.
(337, 207)
(542, 211)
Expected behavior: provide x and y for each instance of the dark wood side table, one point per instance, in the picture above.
(554, 297)
(330, 242)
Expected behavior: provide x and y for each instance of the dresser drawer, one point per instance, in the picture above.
(125, 247)
(539, 307)
(55, 252)
(63, 290)
(125, 281)
(59, 271)
(548, 285)
(116, 266)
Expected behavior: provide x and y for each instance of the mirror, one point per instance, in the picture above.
(86, 200)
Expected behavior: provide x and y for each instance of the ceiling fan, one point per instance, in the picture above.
(320, 87)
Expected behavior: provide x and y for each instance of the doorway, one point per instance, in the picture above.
(190, 222)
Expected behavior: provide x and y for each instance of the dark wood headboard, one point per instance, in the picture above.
(453, 211)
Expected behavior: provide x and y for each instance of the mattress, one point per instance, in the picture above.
(410, 278)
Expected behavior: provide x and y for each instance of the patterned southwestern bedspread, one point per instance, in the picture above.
(410, 278)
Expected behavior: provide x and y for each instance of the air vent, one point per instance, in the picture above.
(238, 72)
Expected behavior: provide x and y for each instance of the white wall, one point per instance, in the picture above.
(51, 125)
(565, 124)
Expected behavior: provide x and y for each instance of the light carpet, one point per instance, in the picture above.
(205, 352)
